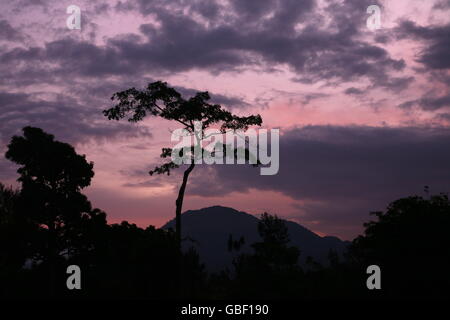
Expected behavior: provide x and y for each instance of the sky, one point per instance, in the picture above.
(363, 113)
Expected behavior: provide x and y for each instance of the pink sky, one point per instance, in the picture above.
(265, 83)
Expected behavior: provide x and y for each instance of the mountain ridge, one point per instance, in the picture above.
(209, 229)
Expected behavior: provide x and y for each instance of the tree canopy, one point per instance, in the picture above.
(158, 99)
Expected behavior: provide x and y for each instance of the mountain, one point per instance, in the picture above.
(208, 230)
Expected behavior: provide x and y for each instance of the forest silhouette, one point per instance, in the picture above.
(48, 224)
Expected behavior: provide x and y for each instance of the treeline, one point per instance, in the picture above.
(48, 224)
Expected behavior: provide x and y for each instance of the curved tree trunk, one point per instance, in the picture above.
(179, 204)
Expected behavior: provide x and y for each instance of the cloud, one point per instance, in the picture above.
(71, 121)
(8, 33)
(428, 103)
(442, 5)
(354, 91)
(256, 34)
(435, 53)
(443, 116)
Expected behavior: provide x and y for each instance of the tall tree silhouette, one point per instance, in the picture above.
(52, 175)
(160, 100)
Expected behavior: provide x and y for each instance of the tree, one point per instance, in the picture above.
(15, 230)
(410, 243)
(160, 100)
(271, 271)
(274, 249)
(52, 175)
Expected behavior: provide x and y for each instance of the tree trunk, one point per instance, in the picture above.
(179, 204)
